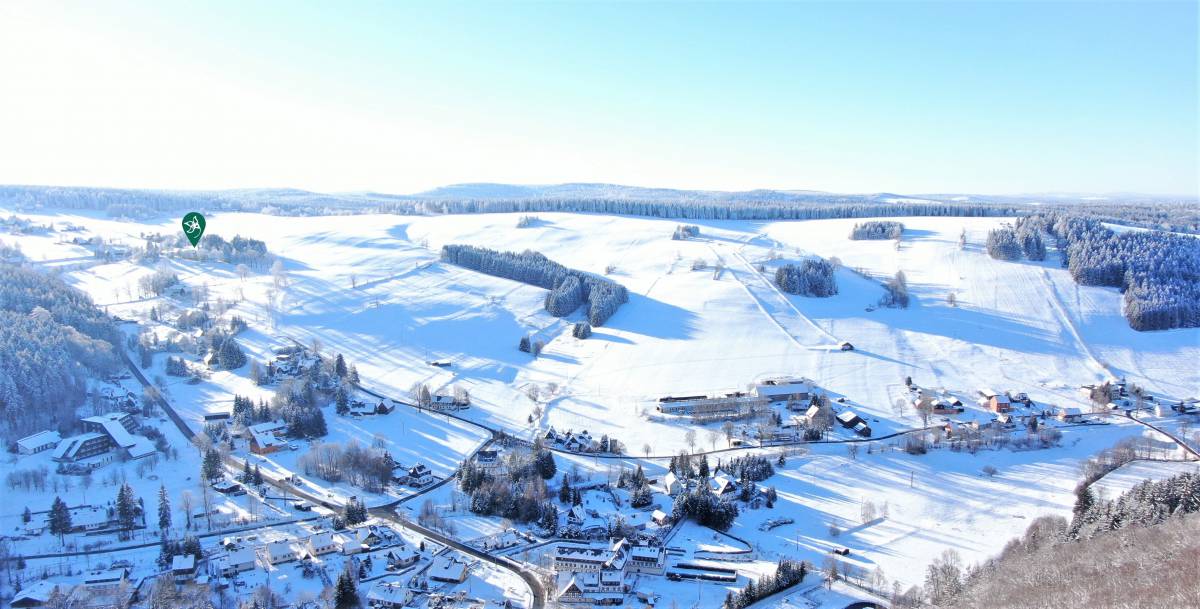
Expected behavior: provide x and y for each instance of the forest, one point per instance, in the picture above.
(1128, 552)
(877, 229)
(811, 278)
(569, 288)
(52, 340)
(1158, 272)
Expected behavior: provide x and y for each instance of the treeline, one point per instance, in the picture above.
(1013, 243)
(52, 340)
(788, 573)
(1158, 272)
(811, 278)
(569, 288)
(1121, 553)
(877, 229)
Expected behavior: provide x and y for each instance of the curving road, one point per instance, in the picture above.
(385, 512)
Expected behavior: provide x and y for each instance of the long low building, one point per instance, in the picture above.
(732, 404)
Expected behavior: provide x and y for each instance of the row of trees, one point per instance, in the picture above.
(811, 278)
(788, 573)
(569, 288)
(877, 229)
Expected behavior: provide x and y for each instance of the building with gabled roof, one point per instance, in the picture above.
(38, 442)
(389, 595)
(448, 569)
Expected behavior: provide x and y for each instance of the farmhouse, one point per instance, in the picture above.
(1069, 414)
(848, 419)
(784, 389)
(38, 442)
(266, 438)
(996, 402)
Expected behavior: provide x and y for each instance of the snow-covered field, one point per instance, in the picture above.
(372, 288)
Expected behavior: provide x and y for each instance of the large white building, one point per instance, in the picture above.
(598, 569)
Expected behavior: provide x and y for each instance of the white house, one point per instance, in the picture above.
(448, 569)
(419, 475)
(389, 595)
(38, 442)
(321, 543)
(671, 484)
(279, 552)
(237, 561)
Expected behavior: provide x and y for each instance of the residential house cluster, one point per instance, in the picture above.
(570, 440)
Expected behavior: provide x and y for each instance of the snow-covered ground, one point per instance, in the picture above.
(372, 288)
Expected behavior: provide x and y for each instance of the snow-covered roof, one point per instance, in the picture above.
(264, 433)
(141, 448)
(36, 593)
(241, 556)
(774, 387)
(448, 569)
(39, 439)
(645, 553)
(183, 562)
(111, 422)
(321, 540)
(282, 549)
(87, 516)
(68, 446)
(389, 592)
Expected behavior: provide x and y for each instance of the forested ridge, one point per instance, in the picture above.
(52, 339)
(569, 288)
(1142, 549)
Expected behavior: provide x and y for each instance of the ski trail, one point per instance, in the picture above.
(779, 296)
(1056, 303)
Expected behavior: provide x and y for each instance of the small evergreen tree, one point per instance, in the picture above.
(60, 519)
(210, 468)
(164, 510)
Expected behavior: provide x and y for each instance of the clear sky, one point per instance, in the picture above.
(852, 97)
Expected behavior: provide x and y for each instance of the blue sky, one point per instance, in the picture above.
(853, 97)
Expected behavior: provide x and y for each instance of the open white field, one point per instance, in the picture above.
(372, 288)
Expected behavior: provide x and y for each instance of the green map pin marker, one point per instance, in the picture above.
(193, 227)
